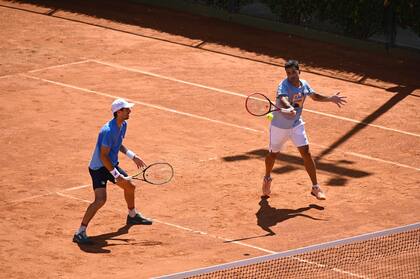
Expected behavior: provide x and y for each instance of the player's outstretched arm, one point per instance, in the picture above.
(336, 99)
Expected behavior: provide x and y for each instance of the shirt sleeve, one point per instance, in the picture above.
(308, 89)
(282, 90)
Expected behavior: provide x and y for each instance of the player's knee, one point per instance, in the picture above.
(99, 202)
(127, 185)
(304, 151)
(272, 155)
(306, 154)
(131, 186)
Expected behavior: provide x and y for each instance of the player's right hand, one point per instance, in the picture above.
(122, 178)
(291, 112)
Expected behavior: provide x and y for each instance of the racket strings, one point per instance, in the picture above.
(258, 105)
(158, 173)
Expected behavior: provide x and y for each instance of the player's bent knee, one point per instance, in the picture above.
(304, 150)
(131, 186)
(99, 202)
(127, 185)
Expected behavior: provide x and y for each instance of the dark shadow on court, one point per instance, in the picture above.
(254, 44)
(401, 92)
(100, 242)
(268, 216)
(340, 170)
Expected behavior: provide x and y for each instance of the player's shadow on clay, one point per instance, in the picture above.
(100, 243)
(268, 216)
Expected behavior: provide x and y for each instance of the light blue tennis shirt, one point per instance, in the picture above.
(296, 97)
(111, 136)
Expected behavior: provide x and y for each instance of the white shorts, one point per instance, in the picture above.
(278, 137)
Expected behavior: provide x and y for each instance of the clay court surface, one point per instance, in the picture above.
(60, 69)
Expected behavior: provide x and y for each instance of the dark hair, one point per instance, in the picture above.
(292, 63)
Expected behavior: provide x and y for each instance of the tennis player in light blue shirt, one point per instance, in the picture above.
(111, 136)
(104, 167)
(297, 96)
(292, 93)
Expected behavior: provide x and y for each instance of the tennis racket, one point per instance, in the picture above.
(259, 105)
(156, 174)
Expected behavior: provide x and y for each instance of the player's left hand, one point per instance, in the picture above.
(139, 162)
(338, 100)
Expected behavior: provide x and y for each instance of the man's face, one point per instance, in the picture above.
(292, 75)
(124, 113)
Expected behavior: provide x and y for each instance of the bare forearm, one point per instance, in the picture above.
(123, 149)
(107, 162)
(284, 102)
(336, 99)
(320, 98)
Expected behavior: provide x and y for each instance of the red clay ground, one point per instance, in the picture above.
(51, 116)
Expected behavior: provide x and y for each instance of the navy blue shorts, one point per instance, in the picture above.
(101, 176)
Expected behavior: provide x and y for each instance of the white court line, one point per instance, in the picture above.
(27, 199)
(75, 188)
(205, 118)
(47, 68)
(367, 157)
(44, 195)
(364, 123)
(143, 103)
(59, 66)
(244, 96)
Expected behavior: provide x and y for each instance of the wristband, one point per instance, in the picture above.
(115, 173)
(130, 154)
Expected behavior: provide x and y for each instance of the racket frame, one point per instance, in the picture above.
(141, 175)
(272, 108)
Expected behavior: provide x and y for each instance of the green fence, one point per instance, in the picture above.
(331, 20)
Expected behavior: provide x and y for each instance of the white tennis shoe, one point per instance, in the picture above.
(318, 193)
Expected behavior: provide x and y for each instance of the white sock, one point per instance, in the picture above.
(316, 186)
(81, 229)
(132, 212)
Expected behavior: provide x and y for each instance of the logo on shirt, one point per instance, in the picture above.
(297, 100)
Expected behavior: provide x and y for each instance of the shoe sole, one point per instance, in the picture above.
(321, 199)
(147, 224)
(82, 242)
